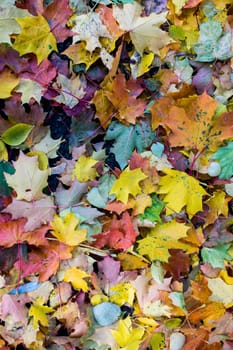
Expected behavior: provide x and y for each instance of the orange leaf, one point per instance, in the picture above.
(208, 314)
(194, 126)
(123, 96)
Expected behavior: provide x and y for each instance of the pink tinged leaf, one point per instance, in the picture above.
(37, 212)
(14, 305)
(110, 268)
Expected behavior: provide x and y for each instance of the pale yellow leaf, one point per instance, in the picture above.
(144, 31)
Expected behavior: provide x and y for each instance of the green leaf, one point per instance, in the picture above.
(5, 167)
(177, 32)
(17, 134)
(157, 341)
(173, 323)
(215, 256)
(225, 155)
(127, 139)
(153, 213)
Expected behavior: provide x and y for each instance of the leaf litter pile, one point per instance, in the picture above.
(116, 175)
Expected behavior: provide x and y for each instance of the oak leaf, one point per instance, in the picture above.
(35, 37)
(144, 31)
(181, 190)
(28, 180)
(128, 183)
(66, 231)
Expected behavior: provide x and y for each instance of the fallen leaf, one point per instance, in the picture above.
(76, 277)
(144, 31)
(181, 190)
(8, 82)
(84, 169)
(66, 231)
(128, 183)
(126, 336)
(37, 212)
(39, 313)
(28, 41)
(28, 180)
(120, 234)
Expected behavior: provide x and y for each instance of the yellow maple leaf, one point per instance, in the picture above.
(127, 337)
(66, 231)
(128, 183)
(144, 31)
(8, 81)
(35, 37)
(218, 204)
(76, 277)
(122, 293)
(39, 312)
(161, 238)
(181, 190)
(83, 170)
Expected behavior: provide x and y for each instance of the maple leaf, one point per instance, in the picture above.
(13, 305)
(35, 37)
(128, 138)
(84, 170)
(123, 96)
(162, 238)
(76, 277)
(28, 180)
(144, 31)
(218, 204)
(70, 90)
(8, 81)
(181, 190)
(66, 231)
(37, 212)
(47, 261)
(89, 28)
(39, 312)
(29, 89)
(57, 14)
(13, 232)
(194, 126)
(126, 336)
(208, 314)
(120, 234)
(128, 183)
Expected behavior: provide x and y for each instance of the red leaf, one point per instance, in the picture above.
(120, 234)
(57, 15)
(12, 232)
